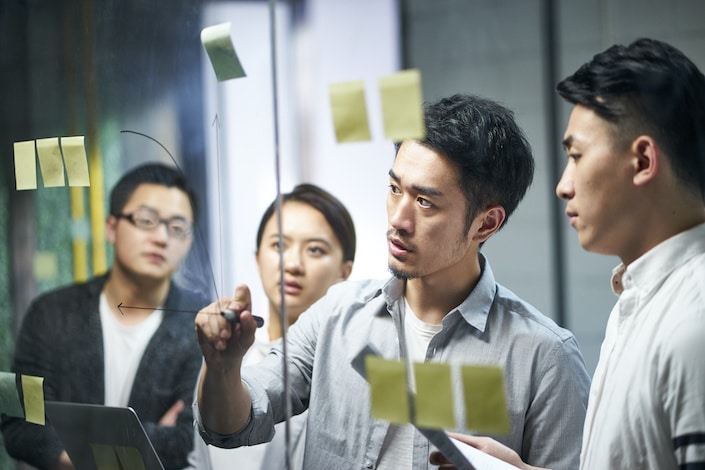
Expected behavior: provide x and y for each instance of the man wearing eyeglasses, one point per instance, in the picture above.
(124, 338)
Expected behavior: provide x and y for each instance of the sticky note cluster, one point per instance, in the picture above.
(432, 405)
(402, 108)
(54, 154)
(33, 394)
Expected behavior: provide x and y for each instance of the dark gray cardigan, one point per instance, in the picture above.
(61, 340)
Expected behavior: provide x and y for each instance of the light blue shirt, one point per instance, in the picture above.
(546, 379)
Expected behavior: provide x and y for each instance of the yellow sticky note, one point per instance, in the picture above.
(33, 392)
(402, 106)
(46, 265)
(25, 165)
(50, 162)
(9, 396)
(221, 52)
(117, 457)
(347, 101)
(105, 457)
(434, 396)
(129, 457)
(485, 399)
(389, 394)
(76, 161)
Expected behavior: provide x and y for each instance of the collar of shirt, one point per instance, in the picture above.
(648, 271)
(473, 310)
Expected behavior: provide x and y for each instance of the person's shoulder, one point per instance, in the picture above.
(683, 324)
(696, 270)
(74, 301)
(184, 298)
(350, 297)
(361, 289)
(523, 312)
(71, 292)
(681, 299)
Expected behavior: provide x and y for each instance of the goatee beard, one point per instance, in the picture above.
(403, 275)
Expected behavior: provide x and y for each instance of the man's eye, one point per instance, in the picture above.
(178, 228)
(394, 188)
(145, 221)
(423, 202)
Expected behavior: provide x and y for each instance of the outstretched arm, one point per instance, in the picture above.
(223, 400)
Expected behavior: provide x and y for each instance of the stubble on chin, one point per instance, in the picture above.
(401, 274)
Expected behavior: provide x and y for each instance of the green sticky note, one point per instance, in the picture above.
(221, 52)
(485, 399)
(389, 394)
(50, 162)
(434, 396)
(75, 160)
(402, 106)
(9, 396)
(33, 392)
(347, 101)
(25, 165)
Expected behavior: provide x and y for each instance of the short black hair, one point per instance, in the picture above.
(324, 202)
(483, 139)
(648, 87)
(149, 173)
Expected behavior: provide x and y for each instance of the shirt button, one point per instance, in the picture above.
(369, 464)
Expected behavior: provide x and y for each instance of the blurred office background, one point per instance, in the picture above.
(98, 69)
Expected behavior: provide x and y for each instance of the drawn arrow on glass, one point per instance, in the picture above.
(233, 316)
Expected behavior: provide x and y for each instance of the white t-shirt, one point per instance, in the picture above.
(397, 450)
(123, 347)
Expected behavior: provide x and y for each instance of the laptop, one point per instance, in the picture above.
(99, 437)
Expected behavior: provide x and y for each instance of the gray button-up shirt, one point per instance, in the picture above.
(546, 380)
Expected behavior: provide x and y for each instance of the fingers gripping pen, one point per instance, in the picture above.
(233, 316)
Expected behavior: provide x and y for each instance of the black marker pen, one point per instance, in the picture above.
(233, 316)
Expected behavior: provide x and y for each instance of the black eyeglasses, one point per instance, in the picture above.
(145, 218)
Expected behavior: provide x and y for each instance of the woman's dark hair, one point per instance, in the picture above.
(332, 209)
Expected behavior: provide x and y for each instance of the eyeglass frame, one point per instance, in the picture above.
(159, 221)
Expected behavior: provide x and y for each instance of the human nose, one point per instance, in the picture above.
(400, 213)
(565, 188)
(292, 260)
(161, 231)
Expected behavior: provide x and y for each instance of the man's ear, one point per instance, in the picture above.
(489, 221)
(646, 155)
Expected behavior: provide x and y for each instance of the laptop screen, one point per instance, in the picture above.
(99, 437)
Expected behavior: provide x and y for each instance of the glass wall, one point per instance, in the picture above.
(132, 77)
